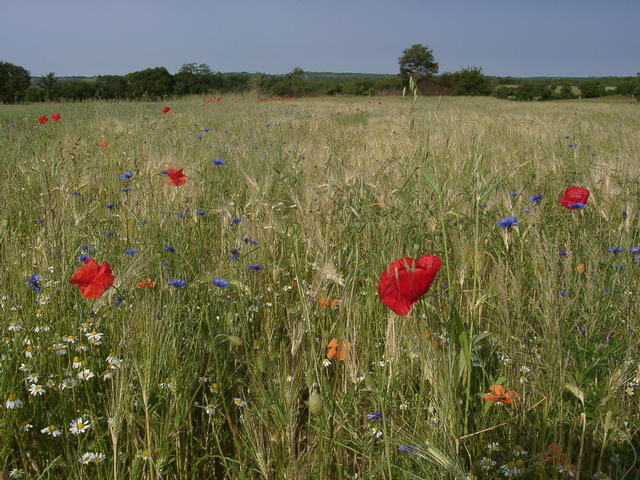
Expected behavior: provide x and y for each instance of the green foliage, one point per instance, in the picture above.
(111, 86)
(34, 94)
(48, 83)
(14, 81)
(591, 88)
(417, 61)
(151, 83)
(471, 81)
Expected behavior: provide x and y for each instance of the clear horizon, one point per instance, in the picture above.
(570, 38)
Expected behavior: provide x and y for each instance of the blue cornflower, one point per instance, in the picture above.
(577, 205)
(206, 129)
(255, 267)
(513, 194)
(508, 222)
(119, 300)
(634, 250)
(218, 161)
(571, 145)
(127, 175)
(235, 254)
(535, 198)
(220, 282)
(177, 283)
(131, 251)
(407, 448)
(125, 190)
(84, 257)
(77, 194)
(375, 416)
(199, 137)
(110, 205)
(181, 214)
(201, 212)
(249, 240)
(34, 282)
(164, 172)
(169, 249)
(617, 265)
(236, 220)
(562, 293)
(615, 250)
(108, 234)
(637, 259)
(562, 253)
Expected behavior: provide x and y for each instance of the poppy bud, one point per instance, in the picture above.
(235, 340)
(316, 403)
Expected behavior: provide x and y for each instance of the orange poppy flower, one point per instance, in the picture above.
(165, 110)
(325, 302)
(146, 283)
(554, 455)
(104, 144)
(580, 268)
(334, 349)
(500, 395)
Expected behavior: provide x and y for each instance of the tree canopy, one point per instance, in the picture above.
(417, 60)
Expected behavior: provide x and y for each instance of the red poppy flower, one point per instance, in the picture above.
(574, 198)
(406, 280)
(104, 144)
(92, 279)
(42, 119)
(55, 117)
(176, 177)
(500, 395)
(165, 110)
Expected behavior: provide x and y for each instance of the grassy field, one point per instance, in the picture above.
(169, 375)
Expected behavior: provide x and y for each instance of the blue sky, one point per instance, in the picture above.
(518, 38)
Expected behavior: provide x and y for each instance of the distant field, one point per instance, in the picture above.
(211, 355)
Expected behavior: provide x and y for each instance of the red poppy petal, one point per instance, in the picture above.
(85, 274)
(403, 283)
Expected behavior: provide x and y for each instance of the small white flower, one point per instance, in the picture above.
(26, 426)
(68, 383)
(238, 402)
(290, 378)
(487, 463)
(36, 389)
(16, 473)
(143, 455)
(326, 362)
(86, 458)
(94, 337)
(32, 378)
(79, 425)
(51, 430)
(210, 409)
(77, 363)
(85, 374)
(14, 326)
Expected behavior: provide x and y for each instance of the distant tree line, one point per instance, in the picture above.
(16, 84)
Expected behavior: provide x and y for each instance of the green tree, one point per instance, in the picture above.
(194, 78)
(151, 82)
(48, 83)
(111, 86)
(471, 81)
(14, 81)
(591, 88)
(417, 61)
